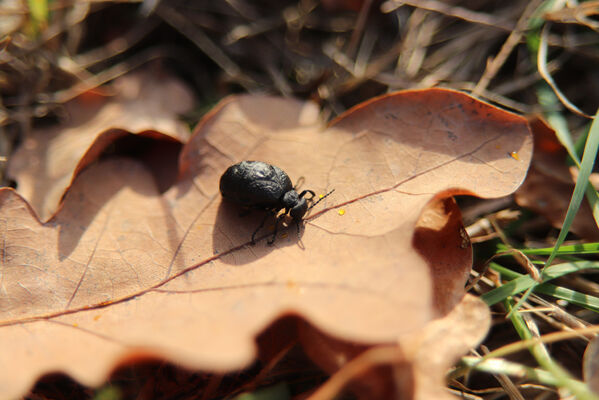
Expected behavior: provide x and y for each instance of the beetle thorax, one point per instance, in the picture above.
(290, 199)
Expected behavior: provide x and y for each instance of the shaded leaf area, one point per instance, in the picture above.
(282, 356)
(124, 270)
(159, 379)
(550, 183)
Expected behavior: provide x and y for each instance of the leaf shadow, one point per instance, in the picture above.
(92, 191)
(440, 238)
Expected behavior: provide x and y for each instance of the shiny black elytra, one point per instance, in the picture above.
(258, 185)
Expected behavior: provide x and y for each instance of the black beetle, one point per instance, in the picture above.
(258, 185)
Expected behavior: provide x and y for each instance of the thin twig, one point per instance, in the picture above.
(204, 43)
(359, 29)
(506, 382)
(513, 39)
(356, 367)
(518, 256)
(449, 10)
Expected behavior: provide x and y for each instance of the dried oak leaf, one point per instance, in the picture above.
(549, 184)
(145, 103)
(415, 367)
(122, 271)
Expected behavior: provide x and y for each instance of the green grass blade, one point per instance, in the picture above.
(520, 283)
(539, 352)
(508, 289)
(580, 299)
(593, 199)
(276, 392)
(501, 366)
(573, 249)
(558, 123)
(586, 167)
(39, 11)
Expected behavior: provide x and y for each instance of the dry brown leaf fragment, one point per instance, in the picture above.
(577, 14)
(123, 270)
(146, 103)
(413, 368)
(550, 183)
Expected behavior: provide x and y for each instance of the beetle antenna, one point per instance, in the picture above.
(321, 199)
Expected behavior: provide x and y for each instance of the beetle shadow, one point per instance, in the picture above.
(233, 230)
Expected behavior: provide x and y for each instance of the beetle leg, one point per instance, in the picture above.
(274, 234)
(259, 227)
(298, 229)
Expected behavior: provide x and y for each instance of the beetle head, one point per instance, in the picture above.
(296, 205)
(299, 210)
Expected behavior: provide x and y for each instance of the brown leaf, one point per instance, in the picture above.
(146, 103)
(123, 271)
(415, 368)
(579, 14)
(442, 342)
(549, 184)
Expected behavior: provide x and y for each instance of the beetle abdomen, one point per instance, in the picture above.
(255, 184)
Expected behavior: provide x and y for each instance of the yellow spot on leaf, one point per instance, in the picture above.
(341, 211)
(97, 317)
